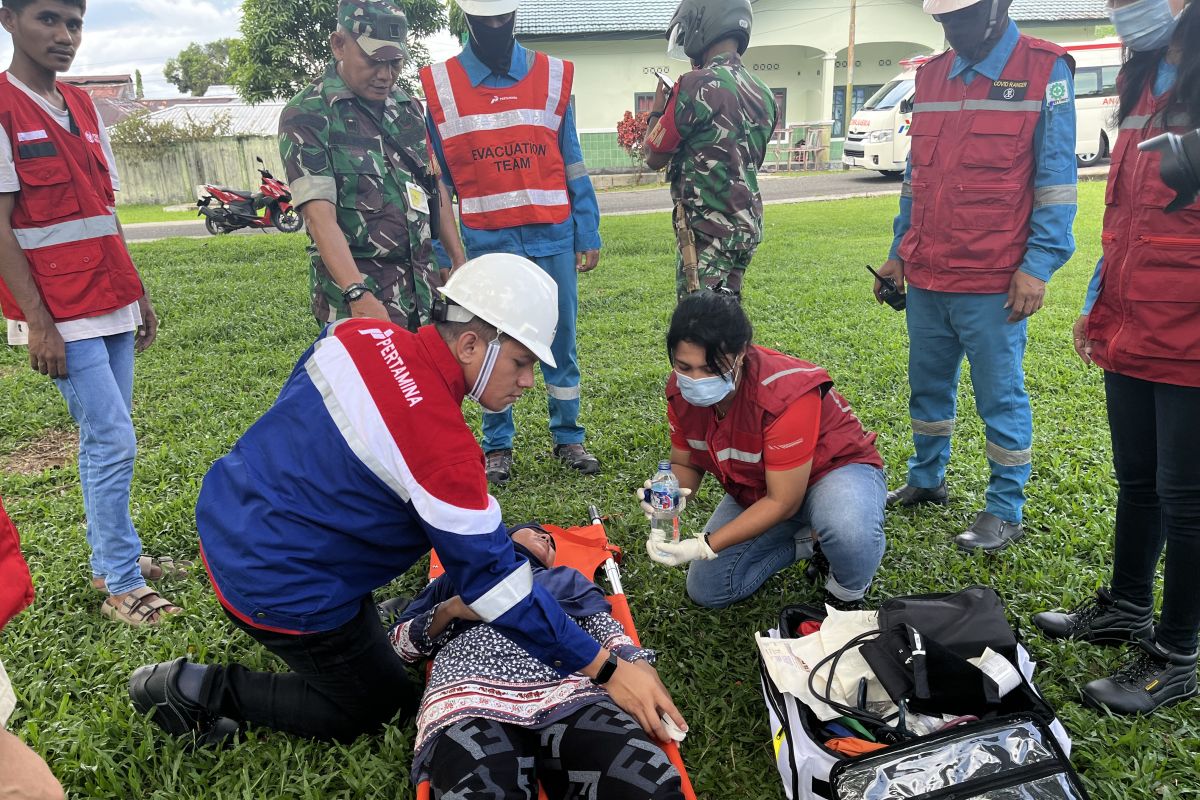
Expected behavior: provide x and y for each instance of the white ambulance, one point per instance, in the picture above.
(877, 136)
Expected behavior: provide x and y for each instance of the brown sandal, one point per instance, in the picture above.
(155, 569)
(142, 606)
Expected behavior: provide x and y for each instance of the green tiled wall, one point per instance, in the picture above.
(601, 151)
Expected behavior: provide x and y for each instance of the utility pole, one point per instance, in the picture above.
(849, 110)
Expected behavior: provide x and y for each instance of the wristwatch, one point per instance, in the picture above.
(354, 291)
(606, 669)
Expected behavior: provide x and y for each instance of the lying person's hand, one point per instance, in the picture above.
(673, 554)
(638, 690)
(643, 493)
(460, 610)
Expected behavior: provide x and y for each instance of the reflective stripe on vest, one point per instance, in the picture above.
(456, 124)
(75, 230)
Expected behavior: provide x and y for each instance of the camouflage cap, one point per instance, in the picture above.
(379, 27)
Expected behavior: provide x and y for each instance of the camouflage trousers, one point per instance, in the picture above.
(717, 267)
(405, 292)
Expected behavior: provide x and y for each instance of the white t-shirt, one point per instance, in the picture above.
(8, 700)
(123, 319)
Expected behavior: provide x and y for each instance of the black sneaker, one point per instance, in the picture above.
(844, 605)
(1152, 678)
(155, 688)
(1102, 619)
(498, 465)
(389, 610)
(577, 458)
(907, 496)
(818, 566)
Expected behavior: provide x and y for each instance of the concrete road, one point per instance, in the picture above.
(775, 189)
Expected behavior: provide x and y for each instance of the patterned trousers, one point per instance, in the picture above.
(597, 752)
(717, 267)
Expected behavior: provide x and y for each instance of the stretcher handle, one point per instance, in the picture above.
(611, 570)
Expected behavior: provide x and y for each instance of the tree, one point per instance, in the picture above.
(285, 44)
(139, 91)
(199, 66)
(141, 131)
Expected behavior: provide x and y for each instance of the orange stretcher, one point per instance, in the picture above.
(586, 548)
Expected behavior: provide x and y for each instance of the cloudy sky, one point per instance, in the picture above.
(123, 35)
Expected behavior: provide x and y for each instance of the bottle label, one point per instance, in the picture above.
(662, 501)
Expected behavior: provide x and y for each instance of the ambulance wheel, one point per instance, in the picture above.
(1087, 159)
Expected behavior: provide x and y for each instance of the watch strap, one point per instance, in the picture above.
(355, 289)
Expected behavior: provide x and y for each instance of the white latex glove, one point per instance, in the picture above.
(673, 554)
(640, 494)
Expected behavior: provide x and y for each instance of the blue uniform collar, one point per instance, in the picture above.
(994, 63)
(478, 72)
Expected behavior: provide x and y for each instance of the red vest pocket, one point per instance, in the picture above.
(1165, 317)
(994, 140)
(73, 278)
(47, 191)
(924, 133)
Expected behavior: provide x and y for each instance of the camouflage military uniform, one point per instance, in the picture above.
(337, 147)
(724, 117)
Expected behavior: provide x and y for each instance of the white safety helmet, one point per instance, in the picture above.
(487, 8)
(512, 294)
(944, 6)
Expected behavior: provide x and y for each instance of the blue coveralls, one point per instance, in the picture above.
(943, 326)
(550, 246)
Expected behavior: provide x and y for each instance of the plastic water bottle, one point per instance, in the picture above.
(664, 500)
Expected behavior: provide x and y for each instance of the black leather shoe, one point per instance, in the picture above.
(818, 566)
(392, 608)
(1153, 677)
(156, 687)
(577, 458)
(498, 466)
(988, 533)
(1102, 619)
(907, 496)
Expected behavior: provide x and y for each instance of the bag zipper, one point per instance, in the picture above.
(998, 187)
(1015, 777)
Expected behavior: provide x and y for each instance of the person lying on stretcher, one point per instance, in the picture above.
(494, 717)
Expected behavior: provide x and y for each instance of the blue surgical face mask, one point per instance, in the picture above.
(1145, 25)
(705, 392)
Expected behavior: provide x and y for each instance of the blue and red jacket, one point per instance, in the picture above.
(362, 465)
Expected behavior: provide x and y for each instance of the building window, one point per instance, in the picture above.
(780, 133)
(643, 102)
(861, 93)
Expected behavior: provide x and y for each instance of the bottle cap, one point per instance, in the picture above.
(664, 466)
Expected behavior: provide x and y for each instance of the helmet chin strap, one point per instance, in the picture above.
(485, 372)
(993, 18)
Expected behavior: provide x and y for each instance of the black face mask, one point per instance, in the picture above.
(967, 29)
(492, 46)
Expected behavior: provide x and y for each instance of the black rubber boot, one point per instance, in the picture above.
(988, 533)
(156, 687)
(1102, 619)
(907, 496)
(1152, 678)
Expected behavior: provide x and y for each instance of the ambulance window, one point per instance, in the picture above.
(1108, 79)
(889, 95)
(1087, 82)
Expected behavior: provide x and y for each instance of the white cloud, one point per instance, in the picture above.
(121, 36)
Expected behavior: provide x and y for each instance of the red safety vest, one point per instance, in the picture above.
(64, 218)
(731, 448)
(1146, 320)
(972, 171)
(16, 587)
(501, 145)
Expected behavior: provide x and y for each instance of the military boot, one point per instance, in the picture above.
(1153, 677)
(1102, 619)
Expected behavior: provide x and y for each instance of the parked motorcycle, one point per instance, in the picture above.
(235, 209)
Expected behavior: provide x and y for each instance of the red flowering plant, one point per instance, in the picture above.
(631, 133)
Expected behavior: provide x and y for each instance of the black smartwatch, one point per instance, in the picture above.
(606, 669)
(354, 291)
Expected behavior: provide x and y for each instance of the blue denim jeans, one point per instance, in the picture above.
(562, 381)
(942, 327)
(843, 512)
(99, 393)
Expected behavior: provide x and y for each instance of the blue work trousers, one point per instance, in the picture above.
(562, 381)
(942, 327)
(99, 394)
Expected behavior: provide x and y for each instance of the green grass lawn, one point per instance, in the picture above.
(135, 213)
(235, 318)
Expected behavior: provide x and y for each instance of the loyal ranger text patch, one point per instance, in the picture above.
(1008, 90)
